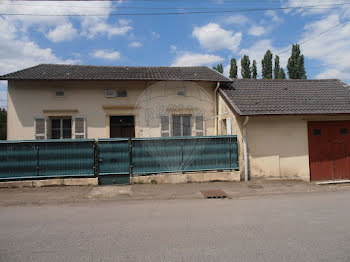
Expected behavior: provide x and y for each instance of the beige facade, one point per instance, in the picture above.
(277, 145)
(28, 100)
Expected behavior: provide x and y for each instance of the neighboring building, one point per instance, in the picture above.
(289, 128)
(293, 128)
(73, 101)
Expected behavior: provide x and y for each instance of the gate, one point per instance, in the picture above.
(121, 158)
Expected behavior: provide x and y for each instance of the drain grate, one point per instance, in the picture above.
(255, 186)
(216, 193)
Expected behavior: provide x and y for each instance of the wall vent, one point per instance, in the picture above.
(109, 93)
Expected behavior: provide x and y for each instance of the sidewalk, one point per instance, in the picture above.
(234, 190)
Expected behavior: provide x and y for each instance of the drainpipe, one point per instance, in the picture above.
(216, 110)
(245, 150)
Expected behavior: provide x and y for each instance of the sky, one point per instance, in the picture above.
(174, 40)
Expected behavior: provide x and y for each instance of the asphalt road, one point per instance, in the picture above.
(308, 227)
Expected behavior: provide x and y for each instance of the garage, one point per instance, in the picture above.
(329, 147)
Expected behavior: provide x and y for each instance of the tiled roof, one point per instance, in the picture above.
(83, 72)
(274, 97)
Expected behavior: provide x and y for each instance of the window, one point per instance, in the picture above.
(59, 93)
(181, 125)
(199, 124)
(317, 132)
(343, 131)
(61, 128)
(180, 93)
(109, 93)
(79, 127)
(122, 93)
(165, 126)
(40, 127)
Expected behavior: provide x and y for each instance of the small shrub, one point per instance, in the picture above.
(154, 181)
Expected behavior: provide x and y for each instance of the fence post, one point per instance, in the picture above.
(96, 158)
(37, 159)
(130, 156)
(230, 143)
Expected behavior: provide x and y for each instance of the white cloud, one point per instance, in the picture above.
(322, 4)
(93, 26)
(331, 49)
(237, 19)
(135, 44)
(194, 59)
(61, 33)
(273, 15)
(256, 30)
(18, 52)
(212, 37)
(155, 35)
(173, 49)
(106, 54)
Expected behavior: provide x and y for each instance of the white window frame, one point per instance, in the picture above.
(45, 127)
(169, 128)
(195, 125)
(74, 130)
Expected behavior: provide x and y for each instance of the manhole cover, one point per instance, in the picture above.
(216, 193)
(255, 186)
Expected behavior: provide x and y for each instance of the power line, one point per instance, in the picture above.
(186, 13)
(152, 8)
(318, 35)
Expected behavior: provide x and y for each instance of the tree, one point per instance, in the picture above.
(276, 69)
(267, 65)
(296, 68)
(219, 68)
(3, 124)
(254, 70)
(245, 67)
(233, 68)
(281, 74)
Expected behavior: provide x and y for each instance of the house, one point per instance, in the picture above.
(285, 128)
(74, 101)
(290, 128)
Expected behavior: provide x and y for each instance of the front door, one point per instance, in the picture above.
(329, 150)
(122, 126)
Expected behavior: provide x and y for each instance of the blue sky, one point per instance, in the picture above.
(183, 40)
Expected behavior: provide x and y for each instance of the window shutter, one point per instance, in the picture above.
(40, 128)
(165, 126)
(199, 123)
(79, 128)
(228, 126)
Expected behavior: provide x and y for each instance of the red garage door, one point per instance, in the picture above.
(329, 148)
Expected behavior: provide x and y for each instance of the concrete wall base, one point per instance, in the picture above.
(179, 178)
(93, 181)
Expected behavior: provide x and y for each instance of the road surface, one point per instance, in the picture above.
(303, 227)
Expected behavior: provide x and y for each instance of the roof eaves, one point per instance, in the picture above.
(230, 102)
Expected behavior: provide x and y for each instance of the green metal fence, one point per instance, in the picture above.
(47, 158)
(122, 157)
(180, 154)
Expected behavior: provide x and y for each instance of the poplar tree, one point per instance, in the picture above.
(233, 68)
(281, 74)
(219, 68)
(245, 67)
(254, 70)
(276, 69)
(267, 65)
(296, 67)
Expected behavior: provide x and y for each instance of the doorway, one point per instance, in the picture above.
(122, 126)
